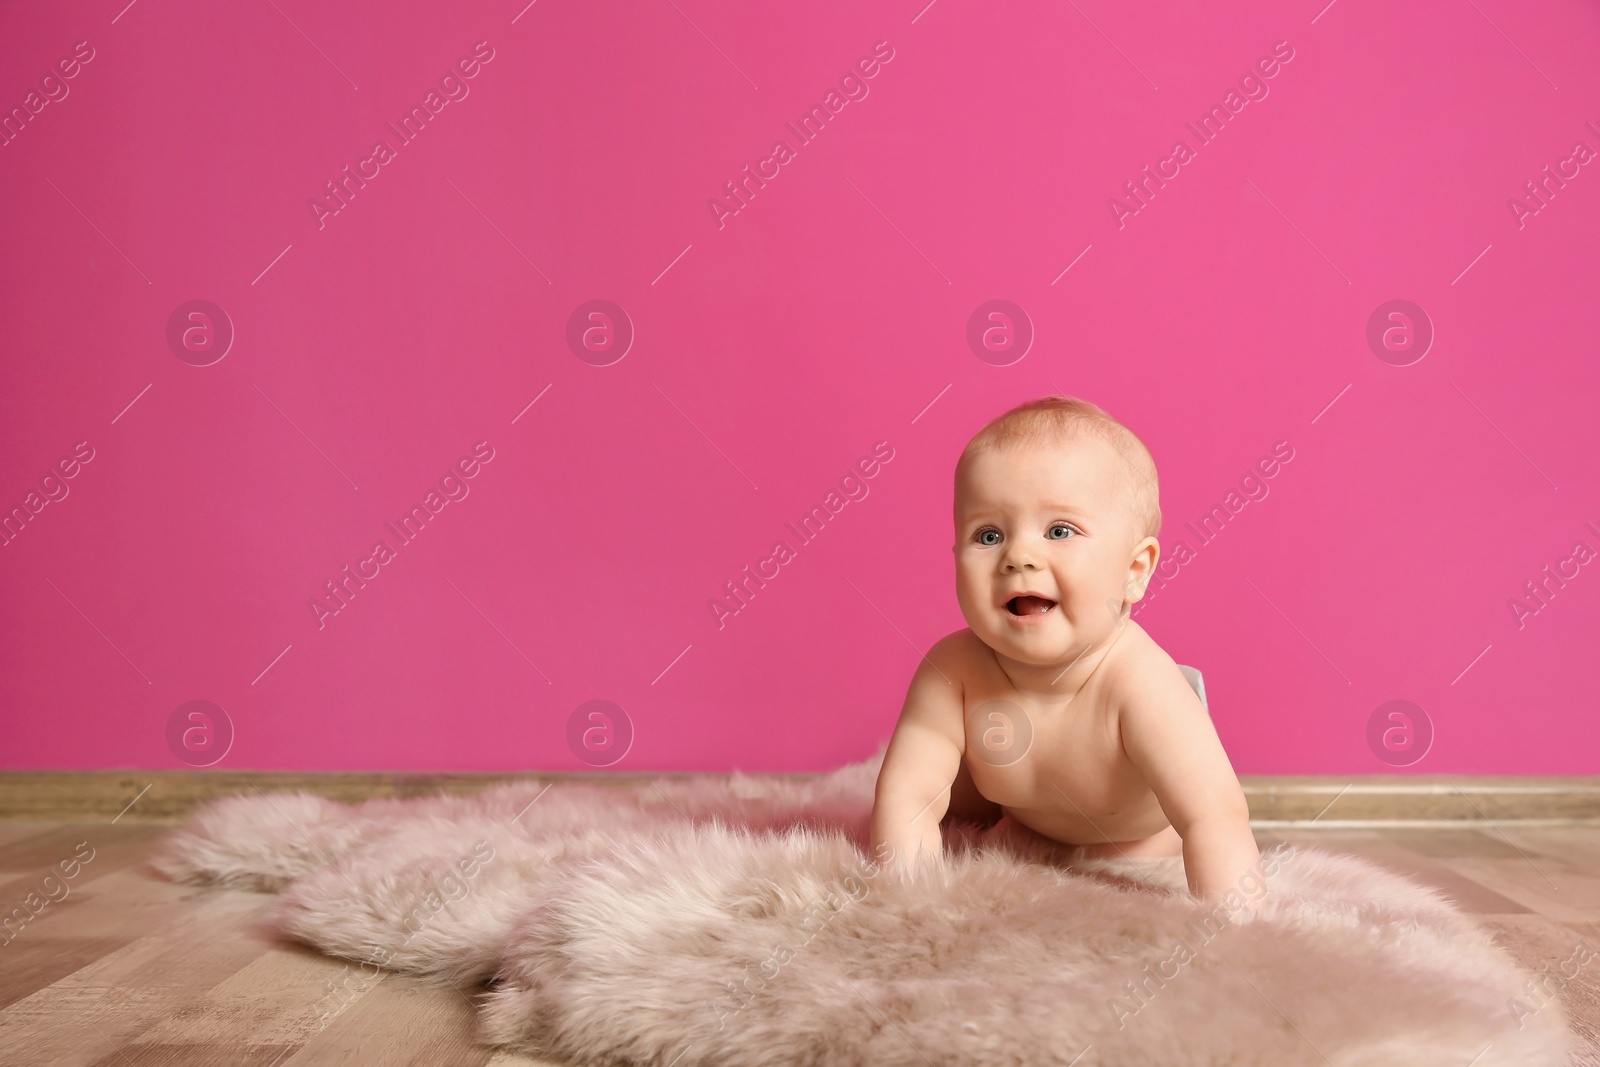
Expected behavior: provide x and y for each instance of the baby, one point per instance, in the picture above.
(1054, 709)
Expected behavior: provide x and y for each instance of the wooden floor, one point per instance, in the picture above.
(129, 969)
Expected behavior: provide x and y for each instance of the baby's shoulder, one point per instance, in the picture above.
(1143, 671)
(961, 653)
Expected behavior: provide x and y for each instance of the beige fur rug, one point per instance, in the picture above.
(739, 921)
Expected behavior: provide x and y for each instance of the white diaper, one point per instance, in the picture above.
(1197, 683)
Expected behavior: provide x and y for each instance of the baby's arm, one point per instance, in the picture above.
(920, 764)
(1168, 735)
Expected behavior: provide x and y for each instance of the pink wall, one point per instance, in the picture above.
(774, 347)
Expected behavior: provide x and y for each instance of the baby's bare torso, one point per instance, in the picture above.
(1070, 780)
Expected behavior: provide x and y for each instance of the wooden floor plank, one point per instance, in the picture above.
(32, 963)
(399, 1021)
(86, 851)
(1539, 884)
(1467, 893)
(502, 1058)
(112, 1000)
(20, 829)
(274, 999)
(1446, 845)
(1576, 850)
(40, 850)
(229, 1053)
(109, 912)
(1552, 952)
(131, 901)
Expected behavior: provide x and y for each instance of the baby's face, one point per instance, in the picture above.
(1048, 520)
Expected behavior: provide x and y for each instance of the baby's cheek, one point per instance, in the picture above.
(967, 595)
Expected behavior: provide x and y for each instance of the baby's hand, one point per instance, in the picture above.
(1251, 899)
(905, 865)
(1247, 912)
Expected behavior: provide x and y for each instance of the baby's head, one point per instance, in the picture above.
(1057, 499)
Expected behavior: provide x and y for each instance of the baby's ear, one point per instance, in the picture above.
(1138, 579)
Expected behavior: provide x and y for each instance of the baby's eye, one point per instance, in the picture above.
(1059, 532)
(988, 536)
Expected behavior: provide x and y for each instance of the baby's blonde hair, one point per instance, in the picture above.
(1051, 419)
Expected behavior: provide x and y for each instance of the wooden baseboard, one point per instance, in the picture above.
(1275, 800)
(169, 796)
(1412, 800)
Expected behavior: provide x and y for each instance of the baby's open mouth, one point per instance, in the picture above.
(1029, 605)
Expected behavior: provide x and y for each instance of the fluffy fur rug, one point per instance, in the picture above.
(739, 921)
